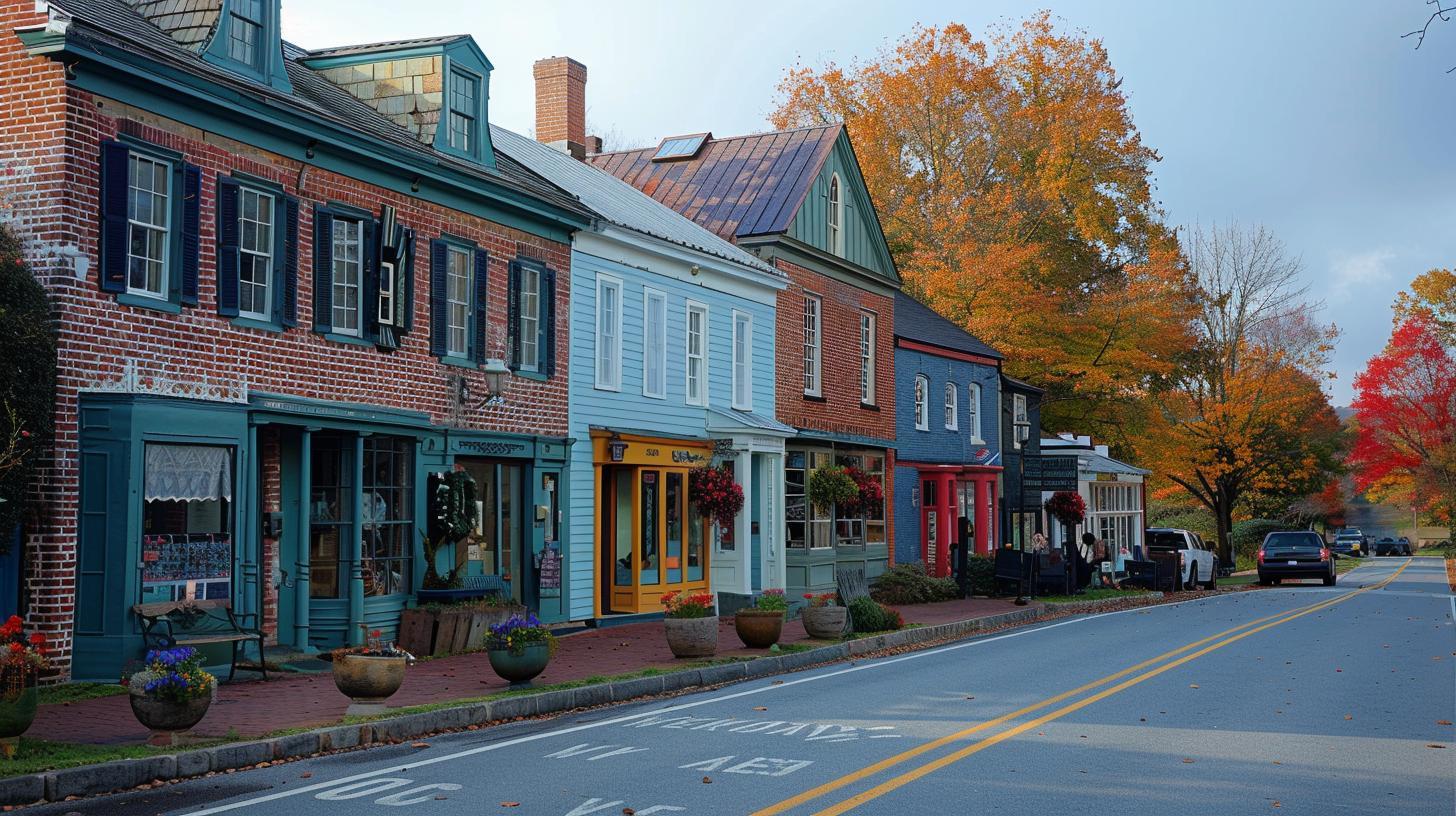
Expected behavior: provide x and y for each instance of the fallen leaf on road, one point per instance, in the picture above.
(1349, 717)
(970, 698)
(1277, 762)
(441, 797)
(707, 780)
(306, 775)
(1434, 745)
(510, 804)
(419, 745)
(1443, 722)
(760, 708)
(778, 682)
(1192, 685)
(1276, 803)
(1339, 670)
(1187, 761)
(628, 811)
(1142, 719)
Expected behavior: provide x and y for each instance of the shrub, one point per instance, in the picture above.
(869, 616)
(911, 584)
(981, 569)
(1196, 519)
(1248, 535)
(27, 380)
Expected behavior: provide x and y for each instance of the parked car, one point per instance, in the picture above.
(1352, 543)
(1385, 545)
(1404, 545)
(1295, 554)
(1196, 563)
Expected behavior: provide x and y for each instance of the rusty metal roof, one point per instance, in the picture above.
(736, 187)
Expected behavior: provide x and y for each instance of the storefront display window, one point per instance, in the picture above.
(849, 530)
(696, 525)
(874, 465)
(1116, 514)
(331, 513)
(808, 527)
(187, 542)
(388, 514)
(672, 509)
(498, 533)
(650, 555)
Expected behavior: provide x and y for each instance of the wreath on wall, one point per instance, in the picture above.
(715, 493)
(1067, 507)
(453, 512)
(831, 485)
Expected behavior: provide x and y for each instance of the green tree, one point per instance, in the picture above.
(27, 379)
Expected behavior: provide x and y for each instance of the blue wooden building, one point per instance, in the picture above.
(948, 437)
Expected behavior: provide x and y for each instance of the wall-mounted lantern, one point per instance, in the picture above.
(616, 448)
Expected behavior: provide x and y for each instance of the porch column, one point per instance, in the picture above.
(300, 526)
(354, 551)
(744, 535)
(250, 502)
(992, 517)
(982, 491)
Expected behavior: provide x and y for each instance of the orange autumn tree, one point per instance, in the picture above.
(1015, 192)
(1432, 297)
(1245, 415)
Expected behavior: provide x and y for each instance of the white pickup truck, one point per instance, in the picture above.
(1197, 563)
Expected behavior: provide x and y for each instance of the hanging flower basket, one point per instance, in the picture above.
(1067, 507)
(869, 497)
(831, 485)
(715, 493)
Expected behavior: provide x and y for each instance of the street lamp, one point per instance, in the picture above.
(1023, 434)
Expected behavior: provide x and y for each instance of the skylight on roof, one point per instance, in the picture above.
(681, 147)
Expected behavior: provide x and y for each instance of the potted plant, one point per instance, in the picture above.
(760, 626)
(369, 674)
(22, 660)
(823, 617)
(519, 649)
(172, 693)
(831, 485)
(692, 628)
(715, 494)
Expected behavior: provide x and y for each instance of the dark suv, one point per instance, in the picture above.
(1296, 554)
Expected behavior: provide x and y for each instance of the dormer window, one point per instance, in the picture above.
(245, 31)
(464, 107)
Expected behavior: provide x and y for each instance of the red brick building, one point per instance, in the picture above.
(289, 287)
(796, 199)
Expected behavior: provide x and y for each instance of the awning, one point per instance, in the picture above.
(188, 473)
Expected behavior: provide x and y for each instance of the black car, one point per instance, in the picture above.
(1403, 545)
(1297, 554)
(1386, 546)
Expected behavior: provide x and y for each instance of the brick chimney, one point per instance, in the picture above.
(561, 104)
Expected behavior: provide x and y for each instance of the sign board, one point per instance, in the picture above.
(1051, 473)
(548, 572)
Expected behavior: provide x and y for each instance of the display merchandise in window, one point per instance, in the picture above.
(187, 523)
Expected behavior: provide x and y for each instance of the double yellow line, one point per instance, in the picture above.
(1189, 652)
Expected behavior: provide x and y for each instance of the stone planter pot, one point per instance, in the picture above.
(16, 715)
(825, 622)
(692, 637)
(522, 668)
(758, 628)
(368, 680)
(168, 719)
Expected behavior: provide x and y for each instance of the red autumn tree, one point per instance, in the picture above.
(1405, 401)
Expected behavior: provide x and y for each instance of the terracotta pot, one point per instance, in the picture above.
(759, 628)
(825, 622)
(368, 680)
(162, 715)
(519, 669)
(692, 637)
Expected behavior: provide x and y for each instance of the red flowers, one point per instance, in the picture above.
(1067, 507)
(715, 493)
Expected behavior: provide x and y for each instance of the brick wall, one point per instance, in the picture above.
(560, 101)
(49, 159)
(839, 411)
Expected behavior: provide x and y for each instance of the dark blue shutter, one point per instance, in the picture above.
(439, 320)
(548, 323)
(287, 288)
(323, 270)
(404, 293)
(191, 231)
(227, 247)
(513, 315)
(482, 318)
(369, 287)
(115, 190)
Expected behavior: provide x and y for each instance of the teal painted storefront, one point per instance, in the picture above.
(310, 514)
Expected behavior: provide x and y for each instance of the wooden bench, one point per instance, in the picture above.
(168, 624)
(851, 583)
(1012, 567)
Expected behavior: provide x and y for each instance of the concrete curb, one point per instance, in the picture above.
(1101, 603)
(106, 777)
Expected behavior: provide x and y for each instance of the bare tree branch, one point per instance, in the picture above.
(1439, 14)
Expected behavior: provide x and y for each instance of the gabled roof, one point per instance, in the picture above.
(618, 202)
(916, 321)
(114, 23)
(735, 187)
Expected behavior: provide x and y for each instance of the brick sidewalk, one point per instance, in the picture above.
(254, 708)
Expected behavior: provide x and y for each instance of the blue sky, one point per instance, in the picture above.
(1315, 119)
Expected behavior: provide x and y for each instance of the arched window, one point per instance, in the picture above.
(951, 407)
(922, 414)
(836, 216)
(973, 412)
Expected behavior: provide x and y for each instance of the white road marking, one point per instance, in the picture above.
(595, 805)
(601, 751)
(758, 766)
(851, 669)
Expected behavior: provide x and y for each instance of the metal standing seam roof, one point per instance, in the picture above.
(384, 47)
(735, 187)
(1094, 462)
(617, 201)
(916, 321)
(114, 23)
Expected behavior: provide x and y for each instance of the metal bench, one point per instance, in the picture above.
(167, 624)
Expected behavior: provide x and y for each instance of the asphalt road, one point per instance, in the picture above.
(1299, 699)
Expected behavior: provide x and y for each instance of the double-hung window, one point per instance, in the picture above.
(529, 325)
(464, 104)
(742, 361)
(348, 274)
(867, 358)
(813, 343)
(149, 220)
(697, 354)
(245, 31)
(952, 420)
(1020, 420)
(609, 333)
(654, 344)
(922, 413)
(973, 412)
(256, 226)
(458, 273)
